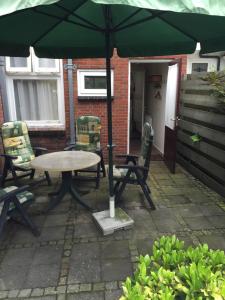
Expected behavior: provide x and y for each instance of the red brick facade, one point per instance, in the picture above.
(57, 140)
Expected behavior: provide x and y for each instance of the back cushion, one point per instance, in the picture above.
(16, 141)
(88, 130)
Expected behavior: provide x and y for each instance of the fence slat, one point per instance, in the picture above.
(209, 181)
(208, 133)
(204, 116)
(208, 101)
(202, 161)
(202, 146)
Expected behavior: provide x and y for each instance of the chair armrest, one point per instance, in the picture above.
(9, 157)
(10, 194)
(70, 147)
(131, 167)
(39, 150)
(127, 156)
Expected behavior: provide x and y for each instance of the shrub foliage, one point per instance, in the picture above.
(173, 272)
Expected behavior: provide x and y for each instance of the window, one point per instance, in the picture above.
(35, 91)
(199, 67)
(92, 83)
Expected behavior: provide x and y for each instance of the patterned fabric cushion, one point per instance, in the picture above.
(88, 133)
(16, 142)
(22, 197)
(121, 173)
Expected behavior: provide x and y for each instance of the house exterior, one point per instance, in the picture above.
(46, 82)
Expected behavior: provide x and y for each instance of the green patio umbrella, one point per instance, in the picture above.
(93, 28)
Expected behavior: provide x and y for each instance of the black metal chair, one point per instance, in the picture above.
(19, 152)
(12, 202)
(135, 169)
(88, 130)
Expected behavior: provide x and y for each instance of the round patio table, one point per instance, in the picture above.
(65, 162)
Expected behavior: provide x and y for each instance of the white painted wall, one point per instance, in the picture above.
(212, 62)
(156, 107)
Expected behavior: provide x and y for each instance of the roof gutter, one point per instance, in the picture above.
(217, 57)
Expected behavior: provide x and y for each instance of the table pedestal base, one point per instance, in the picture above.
(66, 187)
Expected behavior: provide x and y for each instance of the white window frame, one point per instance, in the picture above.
(82, 92)
(211, 64)
(38, 69)
(18, 69)
(58, 124)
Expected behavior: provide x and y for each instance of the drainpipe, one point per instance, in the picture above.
(3, 90)
(214, 57)
(70, 67)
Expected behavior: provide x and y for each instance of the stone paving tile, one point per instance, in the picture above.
(13, 277)
(190, 211)
(113, 295)
(215, 241)
(87, 296)
(55, 220)
(198, 223)
(42, 276)
(211, 210)
(47, 255)
(18, 257)
(144, 246)
(51, 234)
(217, 221)
(115, 249)
(116, 269)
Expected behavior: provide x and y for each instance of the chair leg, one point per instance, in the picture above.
(102, 164)
(98, 175)
(3, 216)
(15, 178)
(4, 175)
(48, 178)
(122, 187)
(25, 216)
(32, 173)
(145, 191)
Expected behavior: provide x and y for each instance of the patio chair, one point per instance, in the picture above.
(135, 170)
(19, 152)
(12, 202)
(88, 139)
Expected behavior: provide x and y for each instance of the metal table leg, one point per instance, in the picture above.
(66, 187)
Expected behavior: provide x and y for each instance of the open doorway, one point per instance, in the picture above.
(153, 98)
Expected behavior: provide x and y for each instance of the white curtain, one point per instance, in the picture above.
(46, 63)
(36, 99)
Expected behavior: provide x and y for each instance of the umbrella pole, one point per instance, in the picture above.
(109, 117)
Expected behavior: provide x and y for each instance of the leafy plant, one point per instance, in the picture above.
(195, 138)
(217, 81)
(176, 273)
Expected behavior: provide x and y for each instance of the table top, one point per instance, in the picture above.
(63, 161)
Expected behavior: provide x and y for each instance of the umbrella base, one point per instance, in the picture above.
(109, 225)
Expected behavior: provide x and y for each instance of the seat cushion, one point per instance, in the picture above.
(22, 197)
(16, 142)
(119, 173)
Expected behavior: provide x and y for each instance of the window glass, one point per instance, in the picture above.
(36, 99)
(18, 62)
(199, 67)
(46, 63)
(95, 82)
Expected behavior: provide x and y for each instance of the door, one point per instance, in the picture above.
(171, 111)
(138, 99)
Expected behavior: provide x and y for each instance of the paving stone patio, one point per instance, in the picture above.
(72, 260)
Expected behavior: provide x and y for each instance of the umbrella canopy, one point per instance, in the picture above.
(69, 28)
(93, 28)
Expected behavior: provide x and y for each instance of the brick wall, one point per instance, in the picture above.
(57, 140)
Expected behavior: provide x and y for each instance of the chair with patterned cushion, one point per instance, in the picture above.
(135, 169)
(88, 130)
(18, 152)
(13, 201)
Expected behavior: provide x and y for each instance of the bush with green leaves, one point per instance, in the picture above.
(174, 272)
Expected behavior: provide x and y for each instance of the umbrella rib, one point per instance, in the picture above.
(127, 18)
(56, 24)
(176, 27)
(139, 21)
(79, 17)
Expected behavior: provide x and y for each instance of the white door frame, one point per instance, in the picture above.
(137, 61)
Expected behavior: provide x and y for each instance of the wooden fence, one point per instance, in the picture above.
(201, 114)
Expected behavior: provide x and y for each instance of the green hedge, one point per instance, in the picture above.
(173, 272)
